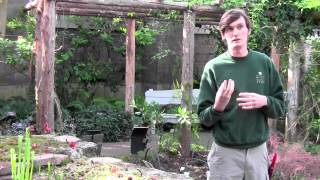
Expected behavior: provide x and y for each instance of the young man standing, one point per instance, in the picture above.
(239, 90)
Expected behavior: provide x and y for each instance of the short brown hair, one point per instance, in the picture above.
(232, 15)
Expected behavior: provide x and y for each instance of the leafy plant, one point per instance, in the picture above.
(147, 113)
(313, 148)
(22, 107)
(23, 162)
(114, 124)
(169, 143)
(186, 117)
(145, 36)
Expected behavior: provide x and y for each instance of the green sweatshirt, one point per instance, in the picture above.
(235, 127)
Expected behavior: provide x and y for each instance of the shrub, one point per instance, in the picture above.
(22, 107)
(114, 124)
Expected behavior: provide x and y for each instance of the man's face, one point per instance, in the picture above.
(236, 34)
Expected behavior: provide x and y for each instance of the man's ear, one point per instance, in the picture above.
(222, 36)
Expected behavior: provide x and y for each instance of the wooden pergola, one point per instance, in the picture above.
(131, 10)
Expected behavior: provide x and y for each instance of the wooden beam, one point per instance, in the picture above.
(130, 3)
(109, 13)
(83, 6)
(187, 78)
(137, 7)
(3, 17)
(130, 65)
(45, 45)
(99, 12)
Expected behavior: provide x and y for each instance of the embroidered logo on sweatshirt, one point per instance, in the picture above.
(260, 78)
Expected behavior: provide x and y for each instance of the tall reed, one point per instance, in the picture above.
(22, 167)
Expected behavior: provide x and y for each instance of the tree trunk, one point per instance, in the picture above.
(130, 65)
(187, 78)
(45, 45)
(3, 17)
(276, 61)
(295, 54)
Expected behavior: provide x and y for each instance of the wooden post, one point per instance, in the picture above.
(187, 78)
(307, 57)
(45, 45)
(130, 65)
(275, 58)
(3, 17)
(295, 53)
(276, 61)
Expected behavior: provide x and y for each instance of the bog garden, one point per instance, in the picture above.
(86, 67)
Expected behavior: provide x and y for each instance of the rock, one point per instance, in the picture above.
(5, 168)
(89, 149)
(98, 138)
(40, 160)
(75, 155)
(55, 159)
(65, 138)
(102, 160)
(8, 177)
(86, 138)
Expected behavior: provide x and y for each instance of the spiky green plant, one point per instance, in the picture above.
(22, 168)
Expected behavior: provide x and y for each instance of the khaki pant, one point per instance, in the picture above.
(238, 164)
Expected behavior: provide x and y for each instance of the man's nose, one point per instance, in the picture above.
(235, 31)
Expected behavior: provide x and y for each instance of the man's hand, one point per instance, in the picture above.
(223, 95)
(250, 101)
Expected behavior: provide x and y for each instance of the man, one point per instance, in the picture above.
(239, 90)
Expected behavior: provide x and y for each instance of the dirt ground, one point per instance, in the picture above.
(196, 165)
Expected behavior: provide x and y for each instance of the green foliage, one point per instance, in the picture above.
(169, 143)
(87, 71)
(64, 56)
(80, 61)
(20, 50)
(24, 21)
(146, 113)
(79, 41)
(198, 148)
(186, 117)
(145, 36)
(233, 3)
(161, 55)
(309, 4)
(309, 111)
(22, 163)
(17, 51)
(170, 15)
(22, 107)
(313, 148)
(107, 38)
(114, 124)
(76, 105)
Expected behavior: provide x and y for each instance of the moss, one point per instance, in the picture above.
(41, 145)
